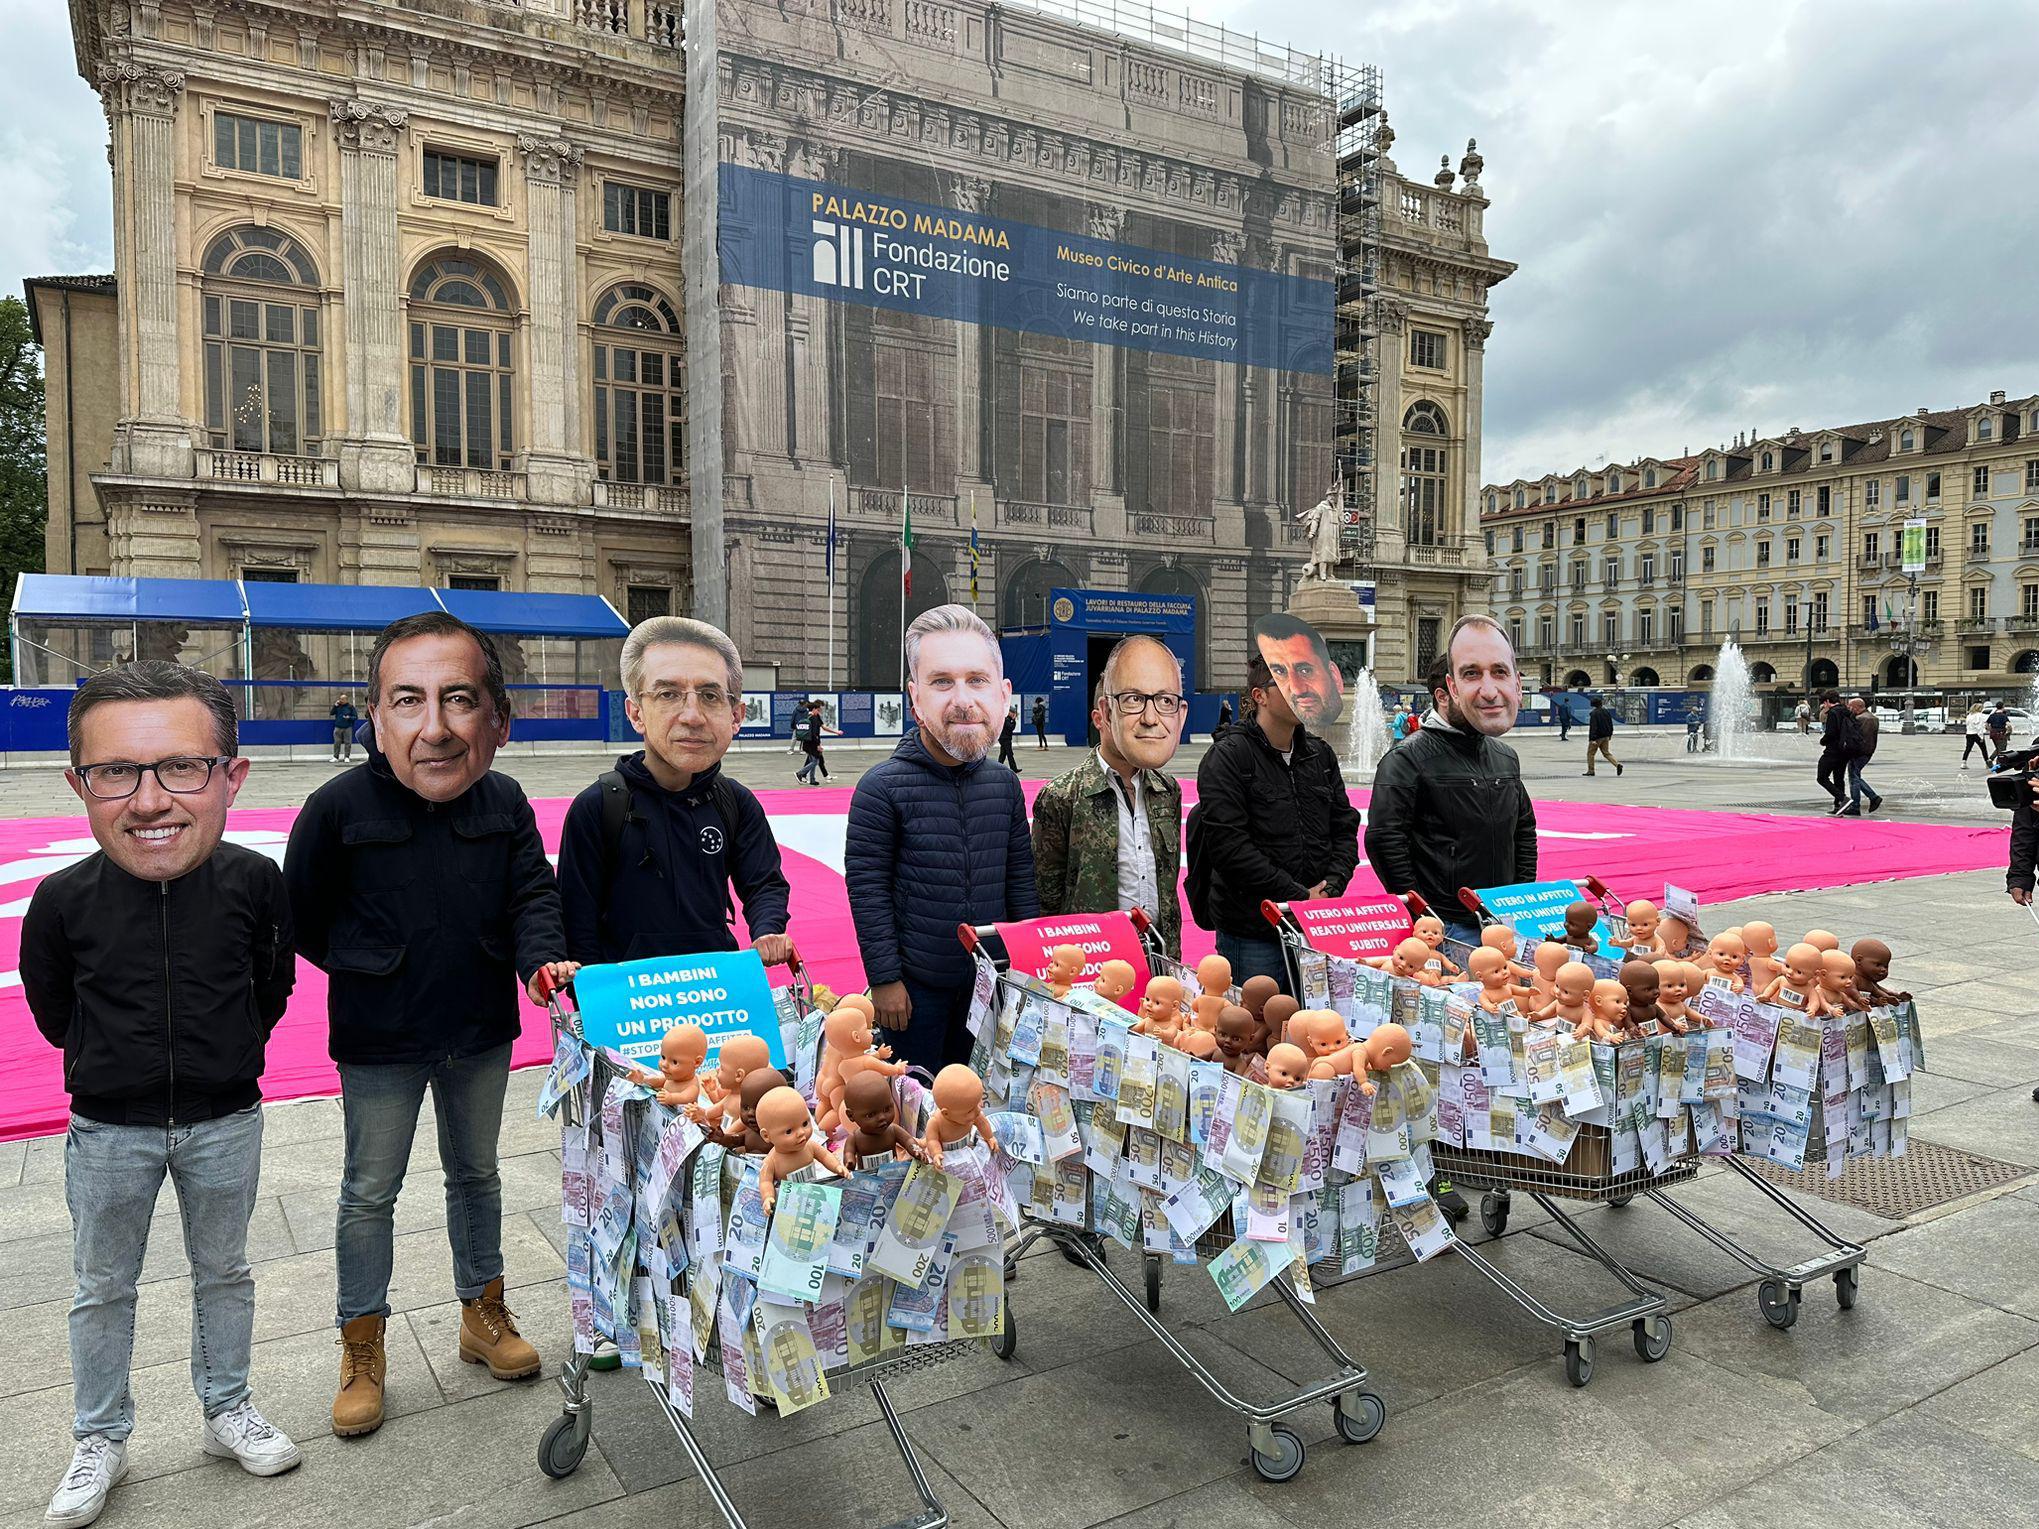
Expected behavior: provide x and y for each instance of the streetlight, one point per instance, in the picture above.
(1616, 662)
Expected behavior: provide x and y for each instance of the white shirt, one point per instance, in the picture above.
(1136, 841)
(1975, 720)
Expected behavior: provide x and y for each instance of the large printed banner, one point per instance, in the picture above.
(629, 1006)
(1361, 928)
(817, 239)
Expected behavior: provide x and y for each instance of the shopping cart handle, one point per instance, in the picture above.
(1142, 924)
(1414, 902)
(546, 986)
(967, 933)
(1273, 911)
(1598, 888)
(1472, 901)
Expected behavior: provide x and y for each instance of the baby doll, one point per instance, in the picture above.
(1644, 929)
(1819, 939)
(1065, 965)
(784, 1122)
(1287, 1066)
(1837, 983)
(959, 1110)
(1114, 980)
(1491, 970)
(1674, 934)
(846, 1052)
(1872, 970)
(680, 1056)
(1580, 919)
(873, 1116)
(1320, 1033)
(1430, 930)
(744, 1136)
(1500, 937)
(740, 1056)
(1238, 1030)
(1640, 981)
(1549, 957)
(1674, 987)
(1386, 1049)
(1724, 956)
(1760, 939)
(1606, 1017)
(1798, 985)
(1214, 982)
(1411, 959)
(1574, 993)
(1275, 1015)
(1161, 1010)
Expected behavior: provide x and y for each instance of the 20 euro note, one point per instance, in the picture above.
(912, 1233)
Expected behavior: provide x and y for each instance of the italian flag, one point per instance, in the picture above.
(905, 546)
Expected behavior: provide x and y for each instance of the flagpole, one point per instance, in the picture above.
(905, 545)
(828, 568)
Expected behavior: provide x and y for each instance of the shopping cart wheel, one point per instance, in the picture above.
(1616, 1202)
(1153, 1276)
(1777, 1302)
(1494, 1214)
(1287, 1459)
(1652, 1338)
(1007, 1341)
(1578, 1360)
(565, 1443)
(1361, 1415)
(1846, 1283)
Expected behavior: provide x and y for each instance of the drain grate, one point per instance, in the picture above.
(1897, 1187)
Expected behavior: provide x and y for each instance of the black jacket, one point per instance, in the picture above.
(1599, 724)
(1840, 733)
(667, 893)
(931, 846)
(1272, 830)
(162, 994)
(426, 917)
(1011, 726)
(2024, 843)
(1449, 810)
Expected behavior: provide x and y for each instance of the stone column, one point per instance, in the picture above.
(1465, 518)
(557, 470)
(810, 342)
(1390, 317)
(970, 194)
(1107, 405)
(1229, 489)
(153, 437)
(376, 454)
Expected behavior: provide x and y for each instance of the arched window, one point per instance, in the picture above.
(640, 387)
(1579, 487)
(1614, 483)
(1702, 674)
(1644, 676)
(1423, 473)
(1904, 441)
(1023, 594)
(261, 304)
(1650, 478)
(1767, 460)
(460, 316)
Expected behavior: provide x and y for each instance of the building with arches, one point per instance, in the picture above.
(1792, 545)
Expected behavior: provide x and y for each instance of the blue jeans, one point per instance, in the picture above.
(938, 1030)
(1857, 786)
(380, 1102)
(814, 768)
(1464, 933)
(112, 1174)
(1255, 955)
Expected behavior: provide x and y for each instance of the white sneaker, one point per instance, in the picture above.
(97, 1464)
(241, 1433)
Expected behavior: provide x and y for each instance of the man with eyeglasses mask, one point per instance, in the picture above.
(160, 965)
(651, 851)
(1108, 833)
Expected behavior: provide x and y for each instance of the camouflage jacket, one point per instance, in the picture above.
(1076, 845)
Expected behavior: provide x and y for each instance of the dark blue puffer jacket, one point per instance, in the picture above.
(931, 846)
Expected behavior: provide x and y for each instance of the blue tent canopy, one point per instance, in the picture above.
(535, 615)
(79, 600)
(334, 607)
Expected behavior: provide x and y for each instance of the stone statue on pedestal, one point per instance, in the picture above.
(1325, 521)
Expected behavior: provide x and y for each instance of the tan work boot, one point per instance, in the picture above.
(488, 1335)
(358, 1407)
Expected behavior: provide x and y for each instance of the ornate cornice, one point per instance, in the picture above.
(550, 161)
(368, 127)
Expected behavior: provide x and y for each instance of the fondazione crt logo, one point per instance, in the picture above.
(867, 245)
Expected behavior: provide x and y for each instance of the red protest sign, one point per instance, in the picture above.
(1348, 926)
(1101, 937)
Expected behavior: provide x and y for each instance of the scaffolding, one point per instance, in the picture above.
(1181, 33)
(1357, 91)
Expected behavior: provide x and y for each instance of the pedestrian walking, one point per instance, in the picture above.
(1840, 735)
(1695, 728)
(1803, 716)
(1006, 756)
(1224, 718)
(1398, 728)
(1999, 725)
(420, 887)
(1041, 719)
(1866, 729)
(1600, 734)
(1564, 706)
(1976, 729)
(159, 965)
(808, 732)
(345, 718)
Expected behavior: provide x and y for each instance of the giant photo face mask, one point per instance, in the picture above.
(1301, 663)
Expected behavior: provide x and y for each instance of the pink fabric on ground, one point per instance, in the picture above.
(1635, 850)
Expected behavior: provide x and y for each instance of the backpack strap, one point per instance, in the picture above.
(615, 813)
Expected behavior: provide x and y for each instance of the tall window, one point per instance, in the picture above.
(1674, 623)
(1426, 349)
(1929, 606)
(261, 344)
(1872, 542)
(1055, 425)
(1982, 481)
(1872, 492)
(1610, 627)
(1932, 542)
(1978, 603)
(457, 178)
(1645, 625)
(1180, 440)
(257, 145)
(640, 388)
(1818, 619)
(1578, 630)
(1762, 617)
(637, 210)
(1978, 539)
(1705, 618)
(1904, 488)
(1423, 467)
(1792, 500)
(460, 365)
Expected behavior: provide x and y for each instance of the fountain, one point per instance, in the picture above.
(1731, 713)
(1366, 729)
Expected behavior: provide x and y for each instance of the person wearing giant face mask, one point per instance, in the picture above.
(1108, 833)
(937, 837)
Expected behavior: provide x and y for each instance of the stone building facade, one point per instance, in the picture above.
(1790, 543)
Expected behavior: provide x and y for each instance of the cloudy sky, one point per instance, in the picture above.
(1729, 214)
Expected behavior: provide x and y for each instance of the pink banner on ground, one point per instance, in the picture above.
(1719, 855)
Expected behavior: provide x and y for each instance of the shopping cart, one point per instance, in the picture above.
(565, 1441)
(1277, 1450)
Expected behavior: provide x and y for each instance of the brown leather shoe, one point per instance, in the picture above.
(488, 1335)
(358, 1407)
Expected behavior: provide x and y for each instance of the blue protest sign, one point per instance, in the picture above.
(628, 1007)
(1538, 908)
